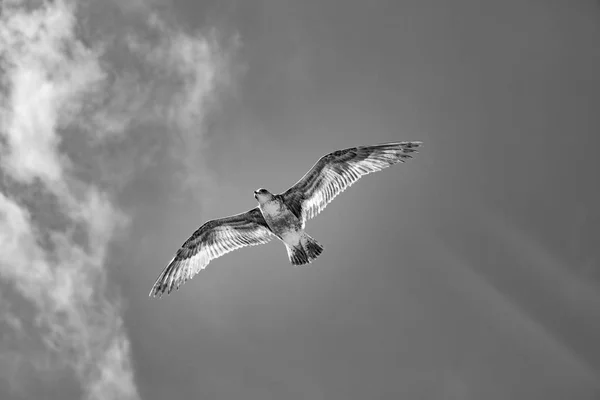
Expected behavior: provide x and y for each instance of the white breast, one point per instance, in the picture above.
(271, 208)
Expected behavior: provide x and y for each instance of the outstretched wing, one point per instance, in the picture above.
(336, 171)
(210, 241)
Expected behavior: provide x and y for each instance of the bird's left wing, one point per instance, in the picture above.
(336, 171)
(212, 240)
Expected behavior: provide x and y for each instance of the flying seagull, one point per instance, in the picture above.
(281, 215)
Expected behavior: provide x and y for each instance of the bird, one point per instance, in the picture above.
(281, 215)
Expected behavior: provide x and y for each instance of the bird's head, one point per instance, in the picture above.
(262, 195)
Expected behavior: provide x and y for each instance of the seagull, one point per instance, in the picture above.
(281, 215)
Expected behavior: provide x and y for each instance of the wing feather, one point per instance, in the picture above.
(337, 171)
(212, 240)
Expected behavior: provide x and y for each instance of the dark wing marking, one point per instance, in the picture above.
(212, 240)
(337, 171)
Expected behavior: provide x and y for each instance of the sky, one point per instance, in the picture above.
(470, 272)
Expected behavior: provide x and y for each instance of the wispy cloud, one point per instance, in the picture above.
(72, 112)
(188, 72)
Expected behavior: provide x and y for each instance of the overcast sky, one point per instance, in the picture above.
(470, 272)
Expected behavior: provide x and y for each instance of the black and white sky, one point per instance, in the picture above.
(471, 272)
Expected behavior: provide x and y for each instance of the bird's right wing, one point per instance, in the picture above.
(337, 171)
(212, 240)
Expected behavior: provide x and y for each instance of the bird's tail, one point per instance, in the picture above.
(305, 251)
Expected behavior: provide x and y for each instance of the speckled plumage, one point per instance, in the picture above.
(281, 215)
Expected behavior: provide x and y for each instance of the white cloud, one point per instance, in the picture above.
(63, 103)
(45, 86)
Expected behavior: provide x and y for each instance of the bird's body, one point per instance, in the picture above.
(281, 215)
(282, 222)
(289, 228)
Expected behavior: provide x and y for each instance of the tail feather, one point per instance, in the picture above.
(297, 255)
(311, 246)
(304, 252)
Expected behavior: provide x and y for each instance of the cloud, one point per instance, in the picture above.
(82, 113)
(189, 72)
